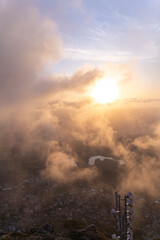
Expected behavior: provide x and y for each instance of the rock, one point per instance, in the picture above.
(88, 233)
(11, 228)
(47, 228)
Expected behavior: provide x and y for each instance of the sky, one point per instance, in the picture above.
(103, 34)
(119, 31)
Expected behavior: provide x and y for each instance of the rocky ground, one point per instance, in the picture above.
(63, 230)
(25, 212)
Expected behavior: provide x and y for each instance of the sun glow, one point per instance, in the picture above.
(105, 91)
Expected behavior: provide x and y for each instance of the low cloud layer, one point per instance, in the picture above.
(59, 138)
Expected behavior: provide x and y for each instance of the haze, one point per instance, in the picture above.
(52, 54)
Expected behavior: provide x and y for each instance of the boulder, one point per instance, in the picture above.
(47, 228)
(88, 233)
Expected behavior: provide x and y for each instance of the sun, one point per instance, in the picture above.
(105, 91)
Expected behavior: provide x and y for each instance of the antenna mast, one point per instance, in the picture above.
(123, 216)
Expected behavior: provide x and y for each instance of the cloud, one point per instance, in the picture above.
(78, 82)
(91, 160)
(29, 41)
(141, 100)
(63, 168)
(64, 128)
(150, 141)
(59, 137)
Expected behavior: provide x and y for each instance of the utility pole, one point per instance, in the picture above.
(124, 216)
